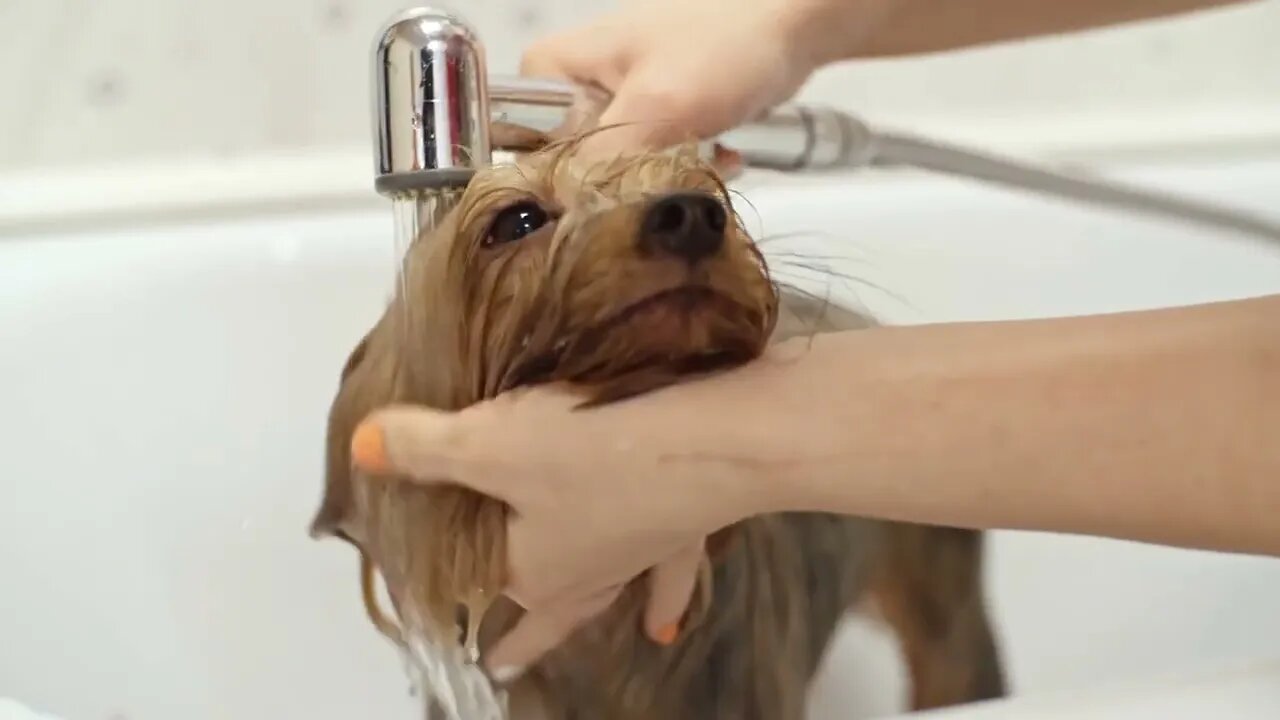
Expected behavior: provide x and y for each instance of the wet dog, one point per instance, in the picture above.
(621, 278)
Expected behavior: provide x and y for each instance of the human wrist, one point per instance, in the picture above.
(697, 447)
(733, 441)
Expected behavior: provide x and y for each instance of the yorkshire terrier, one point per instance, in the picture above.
(619, 278)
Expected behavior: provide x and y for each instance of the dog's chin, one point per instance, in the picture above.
(653, 342)
(678, 320)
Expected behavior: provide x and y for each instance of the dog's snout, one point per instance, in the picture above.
(689, 225)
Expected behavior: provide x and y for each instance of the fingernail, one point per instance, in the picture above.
(666, 634)
(506, 673)
(369, 448)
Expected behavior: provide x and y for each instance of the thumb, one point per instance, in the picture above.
(428, 446)
(671, 585)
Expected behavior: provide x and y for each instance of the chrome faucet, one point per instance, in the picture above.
(434, 102)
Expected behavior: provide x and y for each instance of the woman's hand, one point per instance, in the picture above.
(688, 69)
(600, 479)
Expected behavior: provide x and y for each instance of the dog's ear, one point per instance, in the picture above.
(366, 383)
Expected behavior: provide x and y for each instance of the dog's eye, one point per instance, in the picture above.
(516, 222)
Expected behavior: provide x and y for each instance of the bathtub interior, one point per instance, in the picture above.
(165, 389)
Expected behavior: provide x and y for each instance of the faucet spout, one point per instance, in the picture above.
(430, 104)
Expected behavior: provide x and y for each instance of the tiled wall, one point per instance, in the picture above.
(94, 80)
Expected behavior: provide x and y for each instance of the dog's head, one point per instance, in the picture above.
(555, 269)
(618, 276)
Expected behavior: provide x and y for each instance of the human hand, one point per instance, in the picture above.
(683, 69)
(603, 479)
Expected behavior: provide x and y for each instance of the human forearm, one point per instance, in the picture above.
(844, 29)
(1159, 426)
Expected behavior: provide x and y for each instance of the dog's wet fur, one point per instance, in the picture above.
(622, 277)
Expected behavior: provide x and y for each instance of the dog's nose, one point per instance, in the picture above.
(689, 225)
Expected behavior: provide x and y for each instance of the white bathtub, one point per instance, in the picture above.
(164, 391)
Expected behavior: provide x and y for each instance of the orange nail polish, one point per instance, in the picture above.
(369, 448)
(666, 634)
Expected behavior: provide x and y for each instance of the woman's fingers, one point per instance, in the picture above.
(591, 55)
(541, 631)
(426, 445)
(729, 163)
(647, 113)
(671, 585)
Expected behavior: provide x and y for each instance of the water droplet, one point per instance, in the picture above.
(416, 121)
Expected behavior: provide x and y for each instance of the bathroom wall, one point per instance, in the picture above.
(85, 81)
